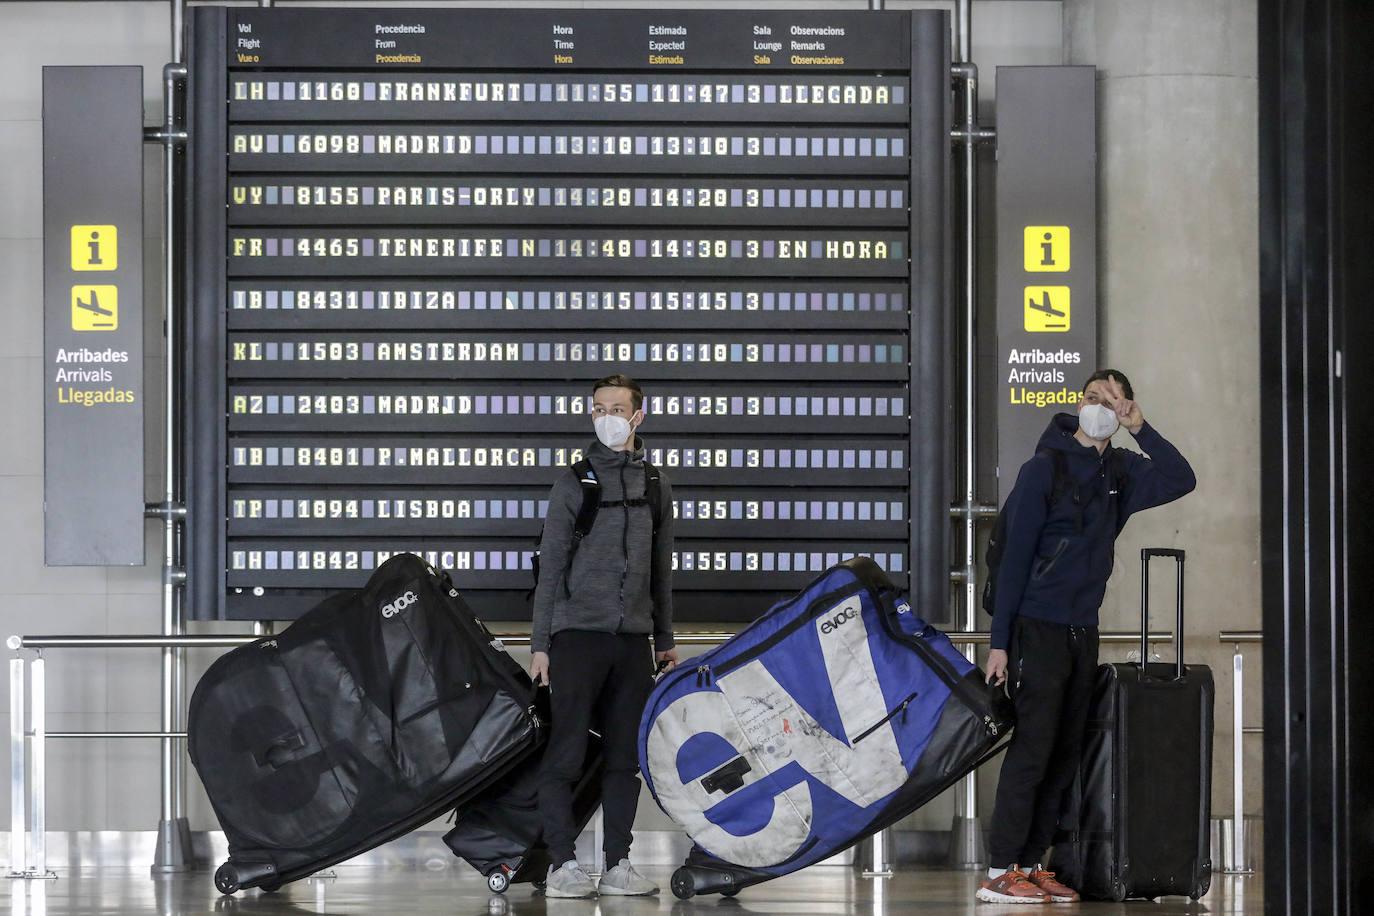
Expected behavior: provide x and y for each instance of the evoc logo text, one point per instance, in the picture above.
(839, 620)
(400, 604)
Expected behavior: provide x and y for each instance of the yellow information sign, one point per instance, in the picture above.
(1046, 249)
(1047, 308)
(95, 308)
(95, 248)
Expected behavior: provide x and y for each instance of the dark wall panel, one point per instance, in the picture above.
(1317, 345)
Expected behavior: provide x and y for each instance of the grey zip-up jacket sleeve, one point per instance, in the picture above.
(555, 545)
(619, 580)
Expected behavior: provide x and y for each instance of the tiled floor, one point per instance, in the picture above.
(461, 892)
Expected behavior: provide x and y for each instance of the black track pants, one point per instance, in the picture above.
(600, 679)
(1050, 672)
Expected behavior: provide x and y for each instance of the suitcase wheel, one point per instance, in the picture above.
(498, 881)
(233, 876)
(1204, 881)
(226, 879)
(684, 885)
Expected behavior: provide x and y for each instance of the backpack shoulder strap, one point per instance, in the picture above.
(653, 494)
(1059, 468)
(1121, 480)
(586, 515)
(591, 500)
(1120, 471)
(1064, 484)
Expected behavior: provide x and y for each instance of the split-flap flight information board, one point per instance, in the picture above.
(415, 238)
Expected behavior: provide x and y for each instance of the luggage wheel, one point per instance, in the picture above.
(688, 881)
(684, 887)
(226, 879)
(498, 880)
(232, 876)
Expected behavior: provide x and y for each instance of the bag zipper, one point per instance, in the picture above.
(942, 666)
(900, 708)
(706, 674)
(812, 611)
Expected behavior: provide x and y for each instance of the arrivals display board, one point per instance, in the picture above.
(418, 236)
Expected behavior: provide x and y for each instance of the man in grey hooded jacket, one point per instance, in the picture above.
(596, 606)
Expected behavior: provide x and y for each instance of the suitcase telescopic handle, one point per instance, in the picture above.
(1146, 554)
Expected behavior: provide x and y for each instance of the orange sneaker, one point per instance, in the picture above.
(1059, 893)
(1012, 887)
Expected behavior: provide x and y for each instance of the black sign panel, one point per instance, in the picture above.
(414, 248)
(1046, 252)
(93, 316)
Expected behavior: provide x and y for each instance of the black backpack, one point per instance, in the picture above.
(592, 503)
(1063, 484)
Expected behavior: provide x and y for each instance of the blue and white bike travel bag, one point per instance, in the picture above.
(834, 714)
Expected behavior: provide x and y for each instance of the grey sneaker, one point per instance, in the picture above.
(568, 880)
(624, 881)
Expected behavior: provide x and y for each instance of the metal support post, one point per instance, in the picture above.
(38, 778)
(178, 30)
(1235, 860)
(878, 864)
(173, 830)
(598, 842)
(966, 844)
(18, 857)
(1238, 763)
(31, 799)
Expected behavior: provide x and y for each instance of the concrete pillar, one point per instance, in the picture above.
(1178, 268)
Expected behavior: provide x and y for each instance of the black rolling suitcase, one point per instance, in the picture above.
(501, 831)
(375, 712)
(1136, 820)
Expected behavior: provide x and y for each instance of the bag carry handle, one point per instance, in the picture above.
(1146, 553)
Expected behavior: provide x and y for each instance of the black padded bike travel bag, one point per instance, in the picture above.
(375, 712)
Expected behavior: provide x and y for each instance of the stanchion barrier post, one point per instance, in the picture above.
(878, 866)
(17, 776)
(38, 839)
(1237, 763)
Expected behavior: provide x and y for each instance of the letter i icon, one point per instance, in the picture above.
(1046, 249)
(95, 247)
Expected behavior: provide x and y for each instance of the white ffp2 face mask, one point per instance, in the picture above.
(1098, 421)
(612, 431)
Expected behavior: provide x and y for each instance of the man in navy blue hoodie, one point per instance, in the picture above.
(1058, 554)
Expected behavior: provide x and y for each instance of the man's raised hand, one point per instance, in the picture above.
(1127, 411)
